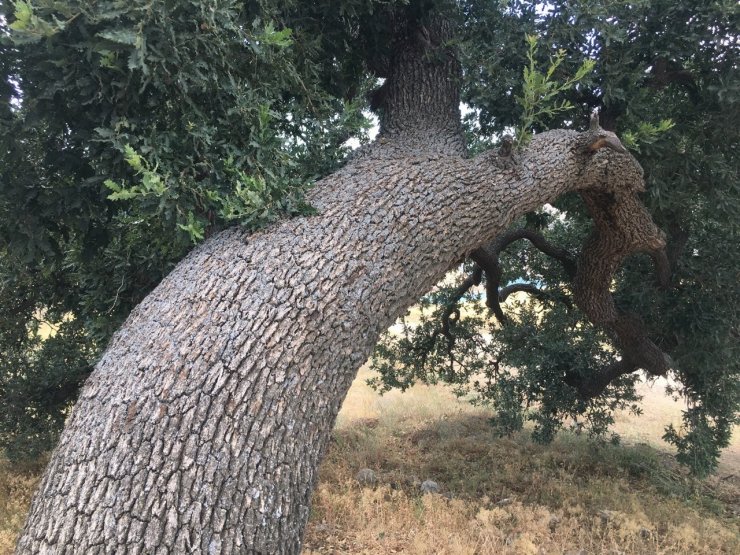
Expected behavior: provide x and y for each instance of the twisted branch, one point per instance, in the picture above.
(488, 259)
(452, 309)
(536, 292)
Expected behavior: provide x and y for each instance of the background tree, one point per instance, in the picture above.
(131, 131)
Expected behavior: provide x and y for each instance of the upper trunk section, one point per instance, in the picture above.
(420, 100)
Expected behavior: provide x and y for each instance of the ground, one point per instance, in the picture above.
(498, 495)
(508, 495)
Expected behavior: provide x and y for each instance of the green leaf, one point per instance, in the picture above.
(112, 185)
(22, 13)
(271, 37)
(120, 36)
(132, 158)
(124, 194)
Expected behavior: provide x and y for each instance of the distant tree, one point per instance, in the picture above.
(133, 130)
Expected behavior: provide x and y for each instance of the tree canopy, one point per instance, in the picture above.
(130, 131)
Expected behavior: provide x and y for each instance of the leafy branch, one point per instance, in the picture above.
(646, 133)
(541, 91)
(248, 199)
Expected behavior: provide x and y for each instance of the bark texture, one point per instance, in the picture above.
(203, 424)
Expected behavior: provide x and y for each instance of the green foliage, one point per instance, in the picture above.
(39, 376)
(130, 131)
(542, 96)
(646, 133)
(252, 200)
(29, 27)
(518, 368)
(674, 63)
(655, 62)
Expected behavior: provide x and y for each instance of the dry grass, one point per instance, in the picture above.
(17, 484)
(661, 410)
(555, 495)
(505, 495)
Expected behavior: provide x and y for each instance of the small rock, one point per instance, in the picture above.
(645, 533)
(366, 477)
(505, 501)
(577, 552)
(323, 527)
(606, 515)
(554, 521)
(429, 486)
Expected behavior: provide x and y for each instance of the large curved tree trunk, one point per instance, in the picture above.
(204, 422)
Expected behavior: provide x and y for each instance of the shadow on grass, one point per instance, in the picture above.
(508, 495)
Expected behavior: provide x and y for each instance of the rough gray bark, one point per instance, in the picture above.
(202, 426)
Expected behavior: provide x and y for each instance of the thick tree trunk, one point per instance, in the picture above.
(204, 422)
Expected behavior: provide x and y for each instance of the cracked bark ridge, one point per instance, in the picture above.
(622, 226)
(203, 424)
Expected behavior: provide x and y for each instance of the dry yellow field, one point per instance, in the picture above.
(508, 495)
(497, 495)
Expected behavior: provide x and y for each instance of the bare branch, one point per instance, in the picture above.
(490, 265)
(452, 306)
(488, 259)
(541, 294)
(539, 242)
(530, 288)
(595, 383)
(662, 267)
